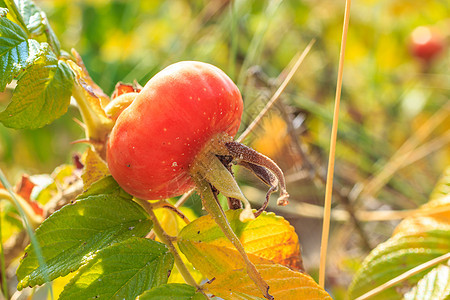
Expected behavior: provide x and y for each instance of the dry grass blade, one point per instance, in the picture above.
(307, 210)
(403, 155)
(330, 171)
(277, 94)
(184, 198)
(404, 276)
(426, 149)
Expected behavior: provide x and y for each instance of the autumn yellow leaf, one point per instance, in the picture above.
(284, 284)
(432, 215)
(95, 168)
(267, 239)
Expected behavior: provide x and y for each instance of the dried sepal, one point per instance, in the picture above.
(265, 176)
(246, 154)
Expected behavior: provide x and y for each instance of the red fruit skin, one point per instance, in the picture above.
(426, 44)
(155, 140)
(427, 51)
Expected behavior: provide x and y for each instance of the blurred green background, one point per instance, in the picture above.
(388, 94)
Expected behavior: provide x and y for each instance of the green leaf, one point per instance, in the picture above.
(37, 23)
(172, 291)
(42, 94)
(396, 256)
(13, 50)
(71, 236)
(435, 285)
(122, 271)
(105, 185)
(33, 16)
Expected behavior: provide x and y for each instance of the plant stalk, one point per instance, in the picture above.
(212, 206)
(28, 228)
(330, 171)
(98, 125)
(3, 262)
(164, 238)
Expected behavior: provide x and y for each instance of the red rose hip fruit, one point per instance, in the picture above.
(426, 44)
(156, 139)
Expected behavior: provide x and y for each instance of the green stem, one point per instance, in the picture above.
(212, 206)
(98, 125)
(2, 261)
(164, 238)
(28, 228)
(212, 169)
(15, 14)
(52, 39)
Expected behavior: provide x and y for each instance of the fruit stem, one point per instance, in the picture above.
(166, 239)
(98, 125)
(213, 207)
(166, 205)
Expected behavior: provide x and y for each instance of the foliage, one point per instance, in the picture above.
(416, 240)
(392, 131)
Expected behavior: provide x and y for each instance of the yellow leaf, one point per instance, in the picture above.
(94, 168)
(267, 239)
(432, 215)
(59, 283)
(284, 284)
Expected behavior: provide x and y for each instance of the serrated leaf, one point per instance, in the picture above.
(32, 15)
(36, 22)
(42, 93)
(416, 240)
(283, 284)
(13, 50)
(71, 236)
(122, 271)
(434, 285)
(395, 257)
(172, 291)
(105, 185)
(268, 238)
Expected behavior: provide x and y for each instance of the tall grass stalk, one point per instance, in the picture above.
(2, 261)
(330, 171)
